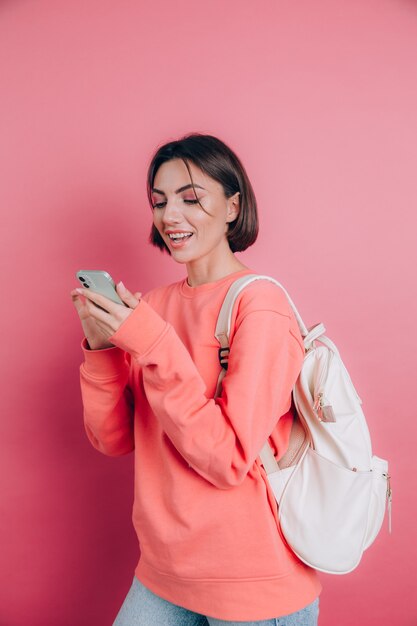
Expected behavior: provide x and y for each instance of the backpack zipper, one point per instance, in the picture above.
(389, 499)
(322, 407)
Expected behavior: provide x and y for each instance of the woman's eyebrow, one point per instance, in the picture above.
(178, 190)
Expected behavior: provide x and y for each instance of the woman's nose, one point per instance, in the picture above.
(172, 214)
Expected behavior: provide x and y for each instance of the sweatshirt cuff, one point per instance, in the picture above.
(102, 363)
(140, 331)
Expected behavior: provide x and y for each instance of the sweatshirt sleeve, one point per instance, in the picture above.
(219, 438)
(107, 400)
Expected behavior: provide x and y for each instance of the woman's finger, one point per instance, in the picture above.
(76, 301)
(128, 298)
(97, 298)
(98, 313)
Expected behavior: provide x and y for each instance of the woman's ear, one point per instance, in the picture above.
(233, 207)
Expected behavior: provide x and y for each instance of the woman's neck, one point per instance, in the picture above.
(201, 272)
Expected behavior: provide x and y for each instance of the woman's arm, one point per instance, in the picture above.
(107, 400)
(221, 438)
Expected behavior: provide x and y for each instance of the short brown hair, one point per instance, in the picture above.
(219, 162)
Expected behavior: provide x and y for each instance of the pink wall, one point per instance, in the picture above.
(320, 101)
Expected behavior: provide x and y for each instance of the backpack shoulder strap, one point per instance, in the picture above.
(222, 332)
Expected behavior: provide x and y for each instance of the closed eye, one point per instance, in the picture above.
(160, 205)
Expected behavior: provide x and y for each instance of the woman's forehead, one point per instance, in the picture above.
(173, 174)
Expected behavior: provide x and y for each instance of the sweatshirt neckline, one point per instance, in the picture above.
(189, 292)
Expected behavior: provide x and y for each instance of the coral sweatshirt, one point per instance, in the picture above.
(205, 516)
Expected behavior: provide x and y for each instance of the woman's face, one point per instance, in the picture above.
(190, 232)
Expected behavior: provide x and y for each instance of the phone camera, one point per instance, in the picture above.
(82, 279)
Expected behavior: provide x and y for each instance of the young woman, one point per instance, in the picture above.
(210, 542)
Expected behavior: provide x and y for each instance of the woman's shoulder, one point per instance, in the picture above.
(263, 295)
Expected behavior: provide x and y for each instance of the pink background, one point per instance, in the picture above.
(319, 99)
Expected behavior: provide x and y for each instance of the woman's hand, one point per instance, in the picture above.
(99, 325)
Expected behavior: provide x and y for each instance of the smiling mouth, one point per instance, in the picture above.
(179, 236)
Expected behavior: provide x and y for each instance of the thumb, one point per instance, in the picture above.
(127, 297)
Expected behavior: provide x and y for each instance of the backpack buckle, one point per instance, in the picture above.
(224, 357)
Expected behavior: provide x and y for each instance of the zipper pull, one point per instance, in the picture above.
(323, 409)
(389, 499)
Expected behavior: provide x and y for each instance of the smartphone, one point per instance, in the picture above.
(100, 282)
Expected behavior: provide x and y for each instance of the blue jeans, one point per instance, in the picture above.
(143, 608)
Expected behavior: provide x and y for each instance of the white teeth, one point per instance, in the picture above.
(179, 235)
